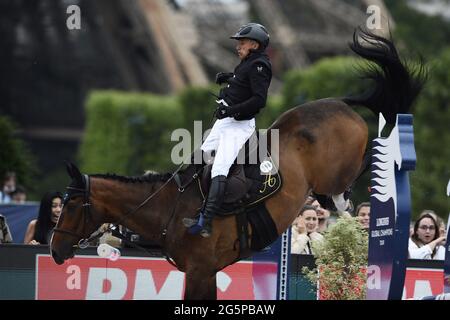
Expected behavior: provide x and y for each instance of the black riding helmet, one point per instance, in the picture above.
(254, 31)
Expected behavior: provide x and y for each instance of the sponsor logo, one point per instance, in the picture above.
(91, 277)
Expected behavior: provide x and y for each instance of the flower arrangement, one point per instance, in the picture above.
(341, 260)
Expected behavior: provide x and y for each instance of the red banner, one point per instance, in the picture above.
(90, 277)
(421, 282)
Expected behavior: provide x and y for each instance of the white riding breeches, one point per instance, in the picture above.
(227, 137)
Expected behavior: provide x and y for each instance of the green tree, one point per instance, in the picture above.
(128, 133)
(14, 154)
(432, 141)
(272, 110)
(197, 104)
(329, 77)
(420, 33)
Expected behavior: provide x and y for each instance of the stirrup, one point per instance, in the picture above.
(198, 226)
(189, 222)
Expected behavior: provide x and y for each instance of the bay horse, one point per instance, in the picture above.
(323, 147)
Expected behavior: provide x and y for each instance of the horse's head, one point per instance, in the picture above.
(76, 221)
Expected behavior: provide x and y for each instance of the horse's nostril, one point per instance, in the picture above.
(56, 258)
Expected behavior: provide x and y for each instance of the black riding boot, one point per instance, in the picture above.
(203, 223)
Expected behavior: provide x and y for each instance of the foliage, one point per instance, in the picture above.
(270, 112)
(420, 33)
(428, 36)
(14, 154)
(329, 77)
(128, 133)
(341, 260)
(197, 104)
(432, 141)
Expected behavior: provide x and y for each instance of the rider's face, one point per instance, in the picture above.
(243, 47)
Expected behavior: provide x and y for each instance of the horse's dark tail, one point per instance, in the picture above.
(396, 85)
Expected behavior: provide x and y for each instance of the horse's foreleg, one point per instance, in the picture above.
(200, 286)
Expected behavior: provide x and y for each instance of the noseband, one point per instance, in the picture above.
(85, 193)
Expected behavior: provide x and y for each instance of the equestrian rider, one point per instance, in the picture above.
(238, 103)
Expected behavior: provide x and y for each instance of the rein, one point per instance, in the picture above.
(85, 193)
(125, 216)
(181, 189)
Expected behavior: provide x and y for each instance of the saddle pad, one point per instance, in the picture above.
(264, 230)
(262, 186)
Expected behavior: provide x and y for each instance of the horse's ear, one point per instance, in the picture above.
(74, 172)
(69, 167)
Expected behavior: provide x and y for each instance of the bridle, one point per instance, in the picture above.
(85, 193)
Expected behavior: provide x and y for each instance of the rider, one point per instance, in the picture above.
(239, 102)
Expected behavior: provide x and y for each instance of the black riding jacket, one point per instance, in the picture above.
(247, 89)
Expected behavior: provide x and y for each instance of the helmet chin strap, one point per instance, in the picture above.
(259, 49)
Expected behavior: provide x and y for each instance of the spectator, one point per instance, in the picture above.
(323, 216)
(426, 243)
(363, 215)
(19, 196)
(439, 220)
(8, 186)
(425, 211)
(309, 201)
(40, 230)
(5, 234)
(304, 231)
(442, 228)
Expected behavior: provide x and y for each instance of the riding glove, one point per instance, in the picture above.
(223, 77)
(224, 111)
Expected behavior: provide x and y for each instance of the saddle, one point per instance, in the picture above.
(248, 184)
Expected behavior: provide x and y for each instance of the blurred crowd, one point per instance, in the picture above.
(11, 192)
(427, 234)
(39, 230)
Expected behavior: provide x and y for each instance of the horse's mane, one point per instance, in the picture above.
(148, 177)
